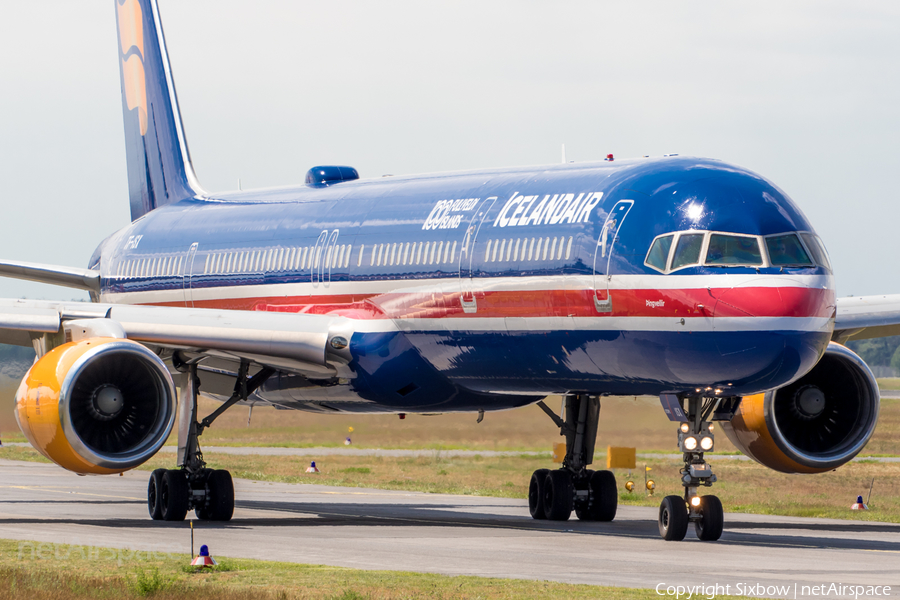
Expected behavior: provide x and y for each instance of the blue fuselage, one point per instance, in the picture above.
(490, 289)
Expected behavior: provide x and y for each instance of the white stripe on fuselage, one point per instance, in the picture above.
(450, 285)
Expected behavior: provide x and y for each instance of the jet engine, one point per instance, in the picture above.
(815, 424)
(98, 405)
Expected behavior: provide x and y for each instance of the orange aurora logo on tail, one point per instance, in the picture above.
(131, 39)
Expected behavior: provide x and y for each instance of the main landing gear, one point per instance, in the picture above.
(695, 436)
(554, 494)
(171, 493)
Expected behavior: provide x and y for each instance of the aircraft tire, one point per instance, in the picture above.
(154, 487)
(582, 509)
(203, 513)
(712, 519)
(221, 496)
(559, 495)
(174, 496)
(604, 496)
(673, 519)
(536, 494)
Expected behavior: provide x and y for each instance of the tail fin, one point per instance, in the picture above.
(159, 164)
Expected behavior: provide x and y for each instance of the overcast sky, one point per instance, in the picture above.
(805, 93)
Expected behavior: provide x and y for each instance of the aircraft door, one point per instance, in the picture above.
(328, 262)
(317, 260)
(467, 255)
(187, 273)
(603, 255)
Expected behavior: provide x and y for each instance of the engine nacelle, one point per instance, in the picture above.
(815, 424)
(99, 405)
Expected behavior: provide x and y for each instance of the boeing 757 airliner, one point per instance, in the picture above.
(690, 279)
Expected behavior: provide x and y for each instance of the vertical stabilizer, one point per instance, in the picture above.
(159, 164)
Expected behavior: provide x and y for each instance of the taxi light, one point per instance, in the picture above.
(690, 443)
(685, 428)
(711, 427)
(695, 501)
(706, 442)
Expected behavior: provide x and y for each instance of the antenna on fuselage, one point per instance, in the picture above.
(563, 154)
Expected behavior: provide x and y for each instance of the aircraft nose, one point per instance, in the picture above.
(786, 325)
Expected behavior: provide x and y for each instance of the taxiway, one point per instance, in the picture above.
(454, 535)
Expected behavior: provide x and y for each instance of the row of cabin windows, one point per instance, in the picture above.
(161, 266)
(299, 259)
(409, 253)
(527, 249)
(277, 259)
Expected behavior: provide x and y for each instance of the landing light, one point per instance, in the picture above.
(706, 442)
(695, 501)
(690, 443)
(685, 428)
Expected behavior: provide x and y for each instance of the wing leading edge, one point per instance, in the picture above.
(302, 343)
(73, 277)
(866, 317)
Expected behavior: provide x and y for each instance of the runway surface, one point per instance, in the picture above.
(454, 535)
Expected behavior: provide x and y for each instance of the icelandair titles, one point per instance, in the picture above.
(558, 208)
(519, 210)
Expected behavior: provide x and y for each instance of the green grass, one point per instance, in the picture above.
(44, 571)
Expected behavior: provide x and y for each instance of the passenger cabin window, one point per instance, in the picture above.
(733, 250)
(787, 251)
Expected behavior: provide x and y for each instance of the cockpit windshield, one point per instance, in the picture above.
(786, 250)
(673, 251)
(733, 250)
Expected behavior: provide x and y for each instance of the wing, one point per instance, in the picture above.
(865, 317)
(312, 345)
(82, 279)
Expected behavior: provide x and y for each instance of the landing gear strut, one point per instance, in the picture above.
(171, 493)
(695, 436)
(554, 494)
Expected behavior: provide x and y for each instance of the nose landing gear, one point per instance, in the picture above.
(554, 494)
(695, 436)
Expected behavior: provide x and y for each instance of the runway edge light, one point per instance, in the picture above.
(859, 504)
(312, 468)
(204, 559)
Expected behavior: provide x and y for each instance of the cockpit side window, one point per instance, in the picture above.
(658, 256)
(687, 251)
(817, 249)
(733, 250)
(786, 250)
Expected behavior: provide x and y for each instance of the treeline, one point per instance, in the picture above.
(879, 352)
(15, 354)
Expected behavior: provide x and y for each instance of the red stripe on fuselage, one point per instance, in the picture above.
(719, 302)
